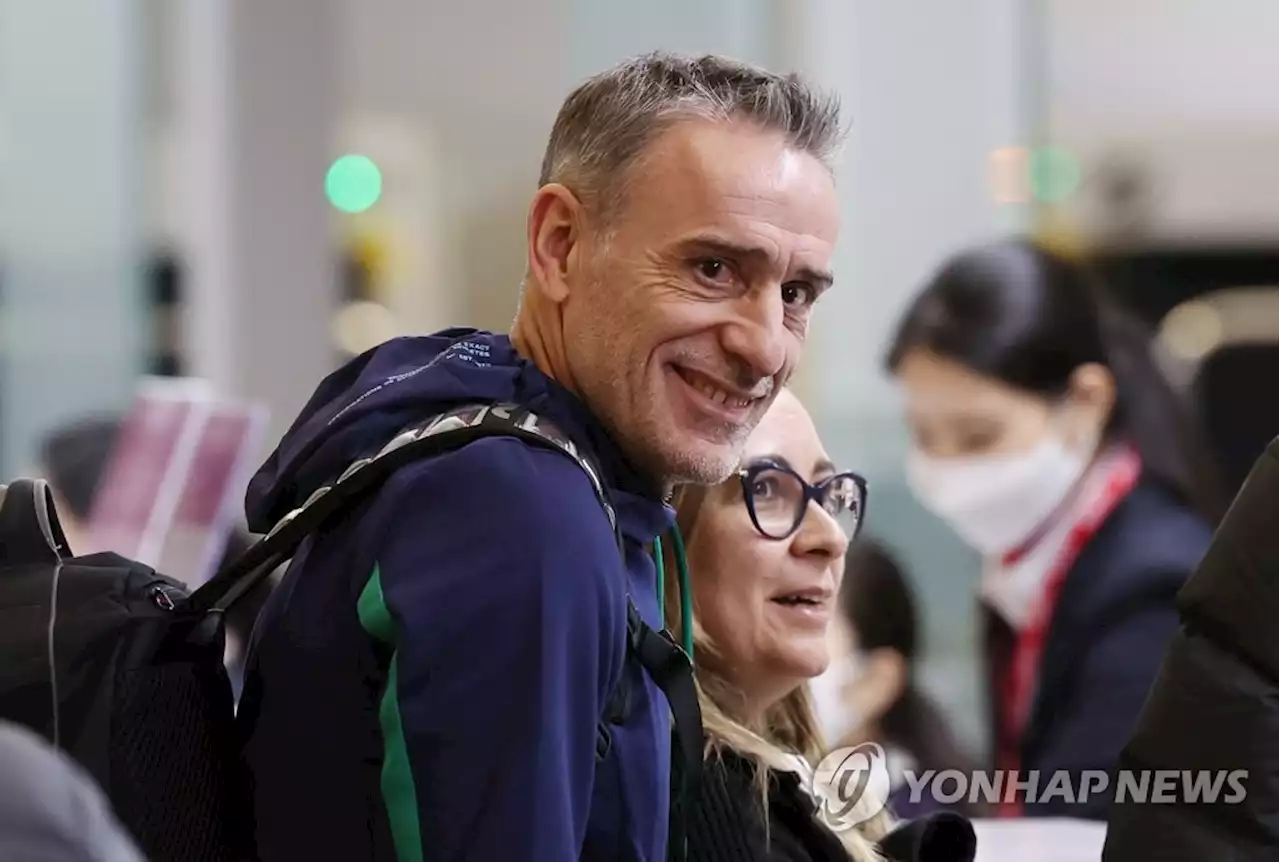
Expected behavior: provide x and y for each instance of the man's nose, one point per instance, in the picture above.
(757, 334)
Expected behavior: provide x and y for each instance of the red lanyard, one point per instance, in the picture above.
(1019, 684)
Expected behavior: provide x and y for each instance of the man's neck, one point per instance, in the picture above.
(538, 336)
(541, 341)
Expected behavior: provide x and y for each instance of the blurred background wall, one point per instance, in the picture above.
(73, 313)
(174, 197)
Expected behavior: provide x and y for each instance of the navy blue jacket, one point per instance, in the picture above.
(1107, 637)
(427, 680)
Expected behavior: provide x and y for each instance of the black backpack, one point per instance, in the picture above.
(121, 668)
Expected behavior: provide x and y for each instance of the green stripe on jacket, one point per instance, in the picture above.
(398, 793)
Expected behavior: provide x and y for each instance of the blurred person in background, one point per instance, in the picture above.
(430, 677)
(73, 459)
(873, 690)
(765, 552)
(50, 809)
(1046, 437)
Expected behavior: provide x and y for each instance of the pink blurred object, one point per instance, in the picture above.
(171, 492)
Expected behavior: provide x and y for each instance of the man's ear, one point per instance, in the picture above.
(554, 233)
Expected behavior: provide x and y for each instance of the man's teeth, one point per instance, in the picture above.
(719, 395)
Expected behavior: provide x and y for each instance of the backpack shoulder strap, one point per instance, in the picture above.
(442, 433)
(671, 670)
(29, 528)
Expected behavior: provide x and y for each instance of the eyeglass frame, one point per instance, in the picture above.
(813, 493)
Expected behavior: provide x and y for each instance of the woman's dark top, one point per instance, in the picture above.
(1108, 633)
(727, 825)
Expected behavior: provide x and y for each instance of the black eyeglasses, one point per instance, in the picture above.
(777, 499)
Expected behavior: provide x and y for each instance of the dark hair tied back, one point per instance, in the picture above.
(1018, 313)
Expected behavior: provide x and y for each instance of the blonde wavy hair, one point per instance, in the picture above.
(789, 728)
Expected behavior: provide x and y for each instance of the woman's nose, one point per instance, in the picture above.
(819, 534)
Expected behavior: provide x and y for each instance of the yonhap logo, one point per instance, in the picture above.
(851, 785)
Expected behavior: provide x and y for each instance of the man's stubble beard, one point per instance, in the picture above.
(639, 421)
(703, 470)
(677, 456)
(709, 470)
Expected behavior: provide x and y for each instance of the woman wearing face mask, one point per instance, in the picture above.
(765, 553)
(1046, 437)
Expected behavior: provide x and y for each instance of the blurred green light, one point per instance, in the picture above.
(1055, 174)
(353, 183)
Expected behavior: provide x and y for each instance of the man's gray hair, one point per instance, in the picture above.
(605, 124)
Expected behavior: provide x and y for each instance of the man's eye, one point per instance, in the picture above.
(712, 269)
(798, 294)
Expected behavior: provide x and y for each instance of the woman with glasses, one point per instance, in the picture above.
(765, 551)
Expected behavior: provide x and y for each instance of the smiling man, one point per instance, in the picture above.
(430, 678)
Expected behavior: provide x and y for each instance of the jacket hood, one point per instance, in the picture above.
(359, 407)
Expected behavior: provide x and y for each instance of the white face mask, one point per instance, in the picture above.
(835, 716)
(996, 502)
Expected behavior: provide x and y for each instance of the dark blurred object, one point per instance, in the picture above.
(1213, 705)
(356, 285)
(1151, 282)
(1127, 198)
(880, 605)
(74, 456)
(1233, 389)
(941, 837)
(165, 298)
(1232, 386)
(356, 278)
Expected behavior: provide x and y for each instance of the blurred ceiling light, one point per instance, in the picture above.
(1008, 173)
(1058, 233)
(353, 183)
(1192, 330)
(361, 325)
(370, 249)
(1249, 314)
(1055, 174)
